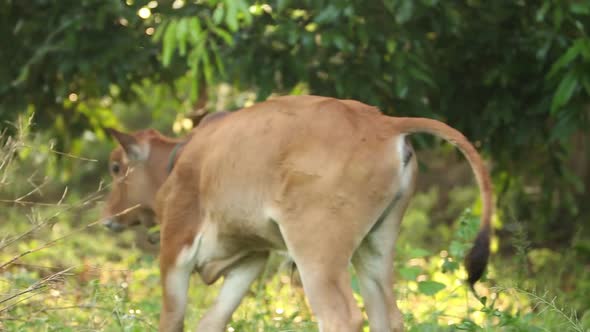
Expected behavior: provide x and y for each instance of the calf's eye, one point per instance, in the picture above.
(115, 168)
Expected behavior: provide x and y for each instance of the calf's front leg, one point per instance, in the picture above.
(179, 244)
(175, 275)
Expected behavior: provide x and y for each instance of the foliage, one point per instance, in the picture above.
(68, 59)
(513, 76)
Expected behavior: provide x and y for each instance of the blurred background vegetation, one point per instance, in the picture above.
(514, 76)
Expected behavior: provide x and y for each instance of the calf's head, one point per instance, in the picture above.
(138, 168)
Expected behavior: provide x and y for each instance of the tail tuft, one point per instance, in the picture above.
(477, 258)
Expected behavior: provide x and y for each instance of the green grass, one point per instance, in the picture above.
(110, 285)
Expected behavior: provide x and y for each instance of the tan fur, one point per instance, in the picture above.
(322, 178)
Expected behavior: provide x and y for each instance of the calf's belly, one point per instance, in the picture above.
(222, 244)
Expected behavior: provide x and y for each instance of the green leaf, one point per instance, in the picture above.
(340, 42)
(430, 3)
(430, 287)
(580, 8)
(564, 92)
(207, 68)
(231, 17)
(160, 31)
(401, 87)
(449, 266)
(484, 300)
(418, 253)
(421, 76)
(558, 17)
(181, 34)
(327, 15)
(540, 15)
(217, 57)
(355, 285)
(226, 36)
(169, 43)
(585, 48)
(564, 60)
(404, 11)
(244, 11)
(467, 325)
(468, 227)
(282, 5)
(194, 29)
(410, 272)
(457, 249)
(586, 83)
(391, 46)
(194, 82)
(218, 14)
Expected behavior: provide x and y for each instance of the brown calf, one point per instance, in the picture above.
(326, 180)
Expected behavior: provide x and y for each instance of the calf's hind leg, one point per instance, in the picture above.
(322, 259)
(373, 262)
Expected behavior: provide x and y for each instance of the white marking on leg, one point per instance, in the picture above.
(401, 146)
(177, 281)
(374, 268)
(237, 283)
(188, 254)
(235, 286)
(406, 178)
(270, 212)
(405, 173)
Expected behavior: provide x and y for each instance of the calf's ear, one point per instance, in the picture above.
(134, 149)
